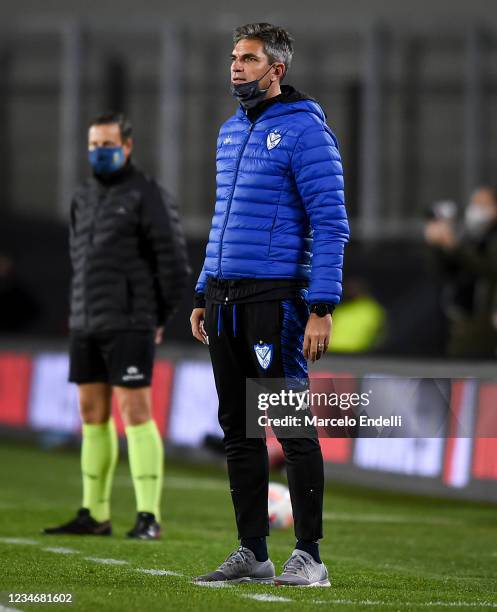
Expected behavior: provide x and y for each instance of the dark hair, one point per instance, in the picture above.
(277, 42)
(125, 127)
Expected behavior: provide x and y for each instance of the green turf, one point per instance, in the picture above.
(383, 551)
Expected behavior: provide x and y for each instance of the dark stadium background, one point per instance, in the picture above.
(409, 91)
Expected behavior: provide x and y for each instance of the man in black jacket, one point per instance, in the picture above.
(468, 266)
(129, 268)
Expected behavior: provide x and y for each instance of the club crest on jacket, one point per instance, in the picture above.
(273, 139)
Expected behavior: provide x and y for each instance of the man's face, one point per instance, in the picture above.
(108, 135)
(484, 199)
(249, 62)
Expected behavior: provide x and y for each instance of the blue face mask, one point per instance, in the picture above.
(106, 160)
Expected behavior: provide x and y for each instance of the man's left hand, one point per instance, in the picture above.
(159, 334)
(317, 336)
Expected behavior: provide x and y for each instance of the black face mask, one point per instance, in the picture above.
(249, 94)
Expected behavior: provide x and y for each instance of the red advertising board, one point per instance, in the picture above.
(336, 450)
(15, 382)
(485, 445)
(457, 461)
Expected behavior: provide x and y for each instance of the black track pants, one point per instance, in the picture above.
(234, 331)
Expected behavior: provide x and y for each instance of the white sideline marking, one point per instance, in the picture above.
(385, 518)
(268, 598)
(158, 572)
(460, 604)
(19, 541)
(258, 596)
(107, 561)
(61, 550)
(407, 604)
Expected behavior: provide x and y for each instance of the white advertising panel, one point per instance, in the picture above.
(422, 404)
(194, 405)
(53, 401)
(413, 456)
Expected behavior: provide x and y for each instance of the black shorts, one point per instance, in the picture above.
(118, 358)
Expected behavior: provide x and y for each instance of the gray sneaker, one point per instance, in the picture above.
(302, 570)
(241, 566)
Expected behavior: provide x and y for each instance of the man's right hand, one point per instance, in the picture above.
(197, 321)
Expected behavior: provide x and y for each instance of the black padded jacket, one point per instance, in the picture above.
(128, 254)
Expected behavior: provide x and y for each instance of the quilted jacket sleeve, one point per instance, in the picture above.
(200, 286)
(163, 235)
(318, 173)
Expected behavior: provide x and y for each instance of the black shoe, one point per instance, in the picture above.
(146, 527)
(83, 524)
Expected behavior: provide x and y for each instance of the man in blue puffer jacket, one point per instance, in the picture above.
(271, 278)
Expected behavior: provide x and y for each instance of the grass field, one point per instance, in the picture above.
(384, 552)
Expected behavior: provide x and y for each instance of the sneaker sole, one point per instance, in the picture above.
(243, 580)
(247, 580)
(319, 583)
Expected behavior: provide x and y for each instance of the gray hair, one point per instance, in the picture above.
(277, 42)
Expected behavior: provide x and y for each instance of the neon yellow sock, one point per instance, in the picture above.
(146, 460)
(98, 461)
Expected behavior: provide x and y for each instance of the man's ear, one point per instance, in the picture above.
(279, 71)
(128, 146)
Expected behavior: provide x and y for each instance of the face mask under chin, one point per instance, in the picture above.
(249, 94)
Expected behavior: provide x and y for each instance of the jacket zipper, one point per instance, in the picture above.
(226, 214)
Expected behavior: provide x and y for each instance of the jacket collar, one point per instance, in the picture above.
(289, 101)
(116, 178)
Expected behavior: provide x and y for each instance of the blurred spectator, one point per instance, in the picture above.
(358, 321)
(468, 264)
(18, 308)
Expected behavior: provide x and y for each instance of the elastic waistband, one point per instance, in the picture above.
(223, 290)
(242, 283)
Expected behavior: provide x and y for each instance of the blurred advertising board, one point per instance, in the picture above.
(447, 444)
(49, 402)
(194, 404)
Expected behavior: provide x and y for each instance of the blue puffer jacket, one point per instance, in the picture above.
(280, 210)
